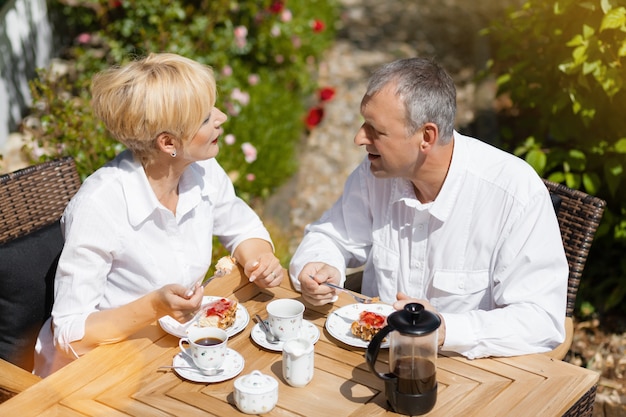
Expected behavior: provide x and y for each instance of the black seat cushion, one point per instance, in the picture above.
(556, 202)
(27, 269)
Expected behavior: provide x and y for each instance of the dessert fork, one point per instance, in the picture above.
(218, 274)
(359, 298)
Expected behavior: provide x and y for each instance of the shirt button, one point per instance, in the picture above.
(461, 285)
(420, 227)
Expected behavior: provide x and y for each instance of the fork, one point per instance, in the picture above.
(220, 273)
(359, 298)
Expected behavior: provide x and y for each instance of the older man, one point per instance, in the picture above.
(464, 228)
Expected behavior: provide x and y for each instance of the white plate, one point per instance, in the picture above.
(233, 365)
(309, 331)
(177, 329)
(339, 322)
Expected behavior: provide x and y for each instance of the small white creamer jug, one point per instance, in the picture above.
(298, 362)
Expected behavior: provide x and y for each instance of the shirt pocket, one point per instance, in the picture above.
(386, 262)
(460, 291)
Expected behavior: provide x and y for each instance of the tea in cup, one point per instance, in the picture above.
(206, 346)
(285, 318)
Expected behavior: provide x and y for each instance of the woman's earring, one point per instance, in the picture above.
(173, 154)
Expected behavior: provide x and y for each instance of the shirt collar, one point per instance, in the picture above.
(142, 201)
(443, 204)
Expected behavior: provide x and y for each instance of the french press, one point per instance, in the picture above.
(411, 384)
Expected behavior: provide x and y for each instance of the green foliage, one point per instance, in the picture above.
(264, 53)
(562, 63)
(69, 117)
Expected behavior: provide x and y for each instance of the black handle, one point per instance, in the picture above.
(371, 354)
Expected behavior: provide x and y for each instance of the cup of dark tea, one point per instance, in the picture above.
(206, 346)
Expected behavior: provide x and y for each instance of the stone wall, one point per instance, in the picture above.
(27, 42)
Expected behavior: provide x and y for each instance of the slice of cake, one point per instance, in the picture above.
(368, 324)
(220, 313)
(225, 265)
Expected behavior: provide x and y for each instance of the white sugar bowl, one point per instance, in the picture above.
(256, 393)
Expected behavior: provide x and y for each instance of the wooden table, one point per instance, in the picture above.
(121, 379)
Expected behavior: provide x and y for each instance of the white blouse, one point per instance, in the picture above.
(121, 242)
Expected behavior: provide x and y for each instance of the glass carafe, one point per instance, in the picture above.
(411, 383)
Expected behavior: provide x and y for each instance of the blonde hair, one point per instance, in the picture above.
(161, 93)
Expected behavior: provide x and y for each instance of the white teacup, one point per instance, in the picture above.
(207, 346)
(298, 362)
(285, 318)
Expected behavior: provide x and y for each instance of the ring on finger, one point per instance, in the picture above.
(273, 274)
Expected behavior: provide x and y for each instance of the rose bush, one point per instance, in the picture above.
(264, 53)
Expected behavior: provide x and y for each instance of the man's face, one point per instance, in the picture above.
(390, 151)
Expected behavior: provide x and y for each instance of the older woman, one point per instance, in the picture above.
(139, 232)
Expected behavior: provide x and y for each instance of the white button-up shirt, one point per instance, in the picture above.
(487, 253)
(121, 242)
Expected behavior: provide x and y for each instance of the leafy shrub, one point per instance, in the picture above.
(562, 63)
(264, 54)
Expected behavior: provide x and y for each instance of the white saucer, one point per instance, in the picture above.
(177, 329)
(309, 331)
(233, 365)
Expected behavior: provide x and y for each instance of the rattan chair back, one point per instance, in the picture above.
(579, 216)
(36, 196)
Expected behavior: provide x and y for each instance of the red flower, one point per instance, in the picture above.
(327, 93)
(277, 6)
(315, 116)
(318, 26)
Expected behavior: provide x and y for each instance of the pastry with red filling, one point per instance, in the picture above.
(220, 313)
(368, 324)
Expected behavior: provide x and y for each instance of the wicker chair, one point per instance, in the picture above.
(579, 216)
(31, 202)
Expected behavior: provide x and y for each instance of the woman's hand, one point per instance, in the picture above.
(265, 271)
(171, 300)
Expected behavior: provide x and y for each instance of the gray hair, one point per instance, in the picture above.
(426, 90)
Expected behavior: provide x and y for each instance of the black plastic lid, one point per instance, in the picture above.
(414, 320)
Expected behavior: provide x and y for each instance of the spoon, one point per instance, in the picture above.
(207, 372)
(269, 336)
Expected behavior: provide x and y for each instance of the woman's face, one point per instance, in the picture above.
(204, 143)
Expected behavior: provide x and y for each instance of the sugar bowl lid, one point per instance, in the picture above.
(256, 383)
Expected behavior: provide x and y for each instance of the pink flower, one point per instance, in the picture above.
(275, 31)
(249, 152)
(240, 96)
(240, 32)
(315, 116)
(251, 177)
(296, 42)
(286, 15)
(318, 26)
(227, 71)
(231, 109)
(229, 139)
(279, 59)
(83, 38)
(253, 79)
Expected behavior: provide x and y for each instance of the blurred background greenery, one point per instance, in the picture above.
(562, 66)
(559, 66)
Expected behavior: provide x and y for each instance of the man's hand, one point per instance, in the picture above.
(313, 274)
(404, 299)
